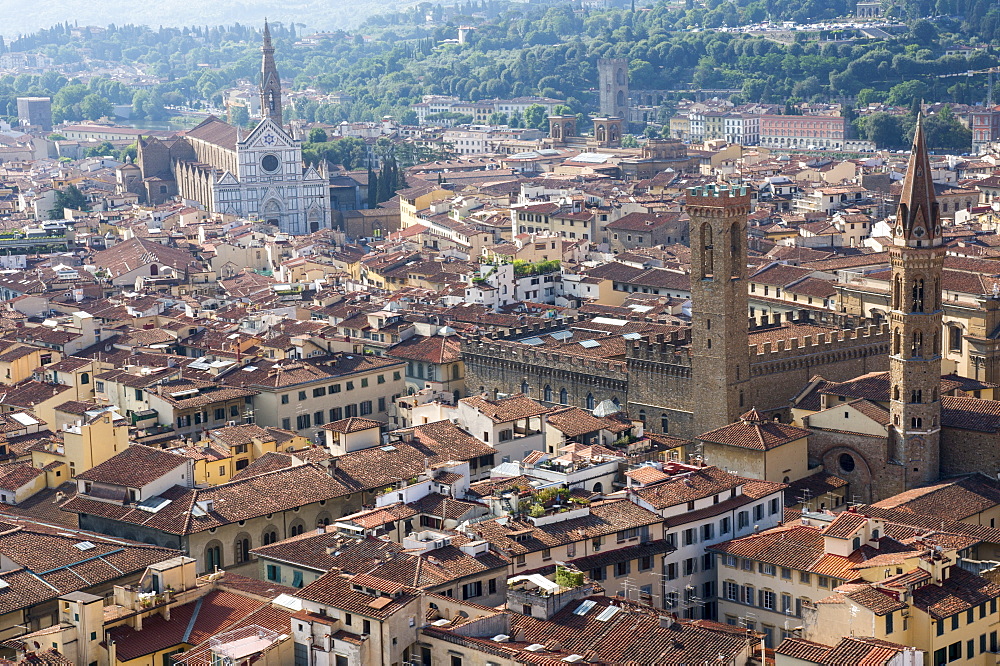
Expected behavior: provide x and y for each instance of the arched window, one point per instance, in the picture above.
(707, 250)
(590, 401)
(454, 371)
(856, 543)
(297, 528)
(547, 393)
(213, 557)
(270, 536)
(897, 291)
(917, 290)
(525, 388)
(664, 424)
(917, 346)
(955, 338)
(154, 270)
(242, 549)
(563, 397)
(642, 415)
(895, 393)
(598, 487)
(896, 342)
(735, 249)
(85, 378)
(875, 535)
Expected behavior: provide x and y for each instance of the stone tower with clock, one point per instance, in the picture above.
(257, 175)
(917, 258)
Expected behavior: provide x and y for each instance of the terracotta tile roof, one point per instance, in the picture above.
(798, 547)
(335, 589)
(846, 525)
(605, 518)
(504, 410)
(646, 475)
(282, 373)
(862, 651)
(29, 393)
(379, 516)
(635, 636)
(870, 597)
(780, 274)
(961, 591)
(46, 562)
(134, 467)
(443, 506)
(240, 434)
(242, 499)
(352, 424)
(957, 499)
(137, 252)
(428, 349)
(13, 477)
(683, 488)
(813, 485)
(755, 432)
(800, 648)
(573, 421)
(212, 614)
(970, 414)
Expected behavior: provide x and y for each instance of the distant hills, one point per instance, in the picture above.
(314, 14)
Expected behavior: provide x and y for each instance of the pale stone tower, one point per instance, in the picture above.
(720, 362)
(270, 83)
(917, 257)
(612, 74)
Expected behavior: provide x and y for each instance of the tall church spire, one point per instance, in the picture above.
(918, 223)
(917, 258)
(270, 83)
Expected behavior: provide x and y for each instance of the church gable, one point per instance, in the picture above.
(858, 416)
(228, 179)
(312, 174)
(268, 135)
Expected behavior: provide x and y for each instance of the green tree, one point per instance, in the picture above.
(317, 135)
(130, 151)
(372, 187)
(94, 107)
(535, 116)
(239, 116)
(102, 149)
(69, 197)
(903, 94)
(629, 141)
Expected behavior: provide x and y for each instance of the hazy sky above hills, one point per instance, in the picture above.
(315, 14)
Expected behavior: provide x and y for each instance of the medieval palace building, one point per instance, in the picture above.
(880, 413)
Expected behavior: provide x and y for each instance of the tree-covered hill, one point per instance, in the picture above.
(516, 49)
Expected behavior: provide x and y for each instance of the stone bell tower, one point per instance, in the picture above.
(720, 357)
(270, 83)
(917, 258)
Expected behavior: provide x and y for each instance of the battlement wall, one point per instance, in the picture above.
(516, 352)
(842, 340)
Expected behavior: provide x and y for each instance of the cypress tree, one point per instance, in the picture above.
(383, 186)
(372, 187)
